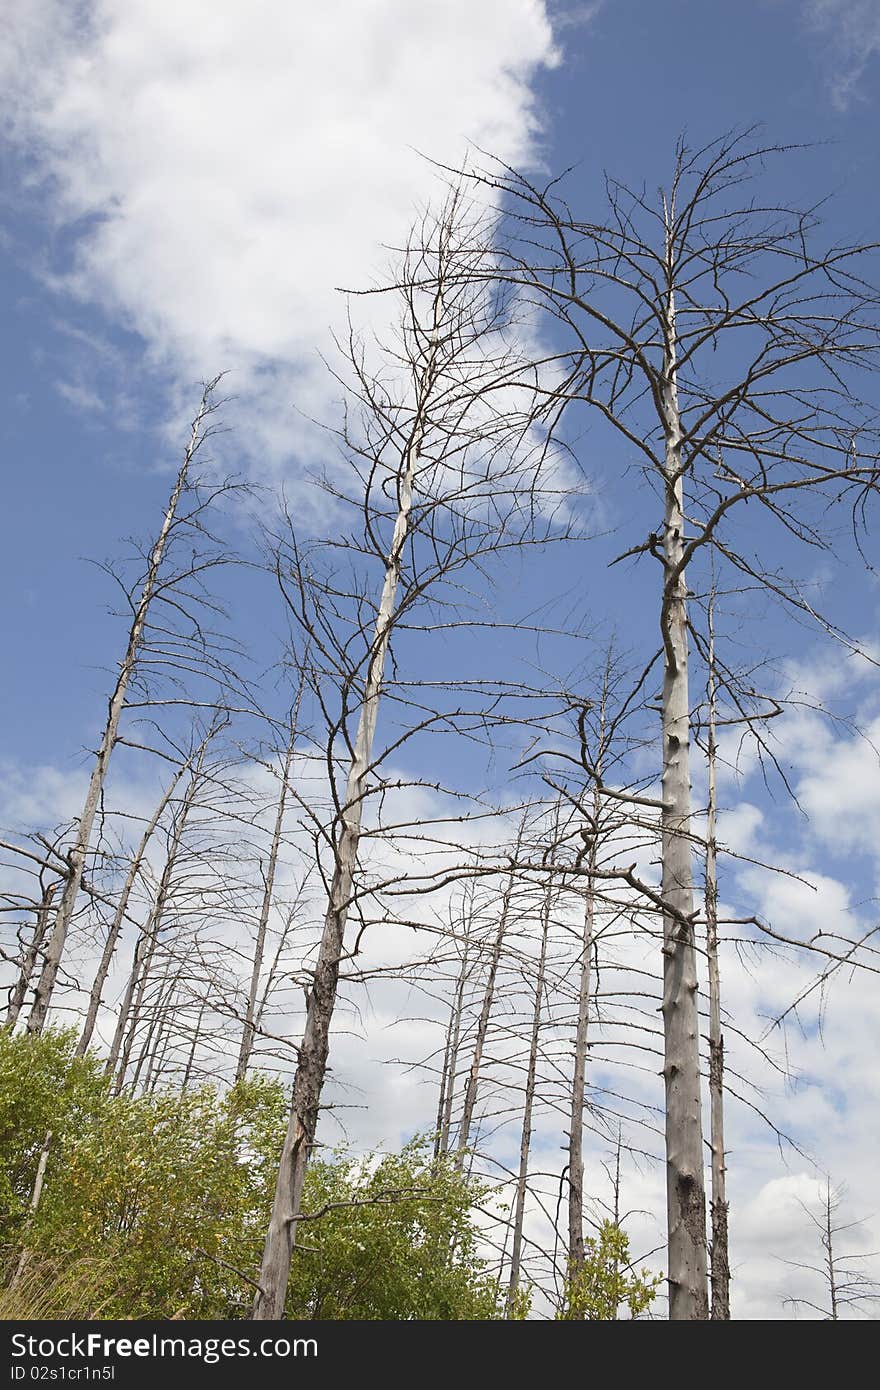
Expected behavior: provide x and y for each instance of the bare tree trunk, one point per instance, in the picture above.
(828, 1244)
(190, 1061)
(29, 960)
(79, 850)
(119, 918)
(685, 1191)
(249, 1030)
(129, 1010)
(312, 1065)
(36, 1194)
(450, 1058)
(526, 1139)
(576, 1250)
(473, 1081)
(720, 1265)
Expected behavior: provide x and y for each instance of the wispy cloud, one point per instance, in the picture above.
(850, 31)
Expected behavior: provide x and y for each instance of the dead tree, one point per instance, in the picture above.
(724, 347)
(250, 1017)
(849, 1285)
(153, 585)
(443, 480)
(519, 1205)
(121, 914)
(719, 1258)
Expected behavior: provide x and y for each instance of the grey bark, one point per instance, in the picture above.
(130, 1007)
(31, 955)
(719, 1260)
(529, 1101)
(473, 1079)
(685, 1190)
(80, 847)
(249, 1030)
(119, 916)
(450, 1058)
(312, 1065)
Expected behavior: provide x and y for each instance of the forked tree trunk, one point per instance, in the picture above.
(119, 918)
(720, 1263)
(249, 1030)
(312, 1064)
(80, 848)
(519, 1209)
(685, 1189)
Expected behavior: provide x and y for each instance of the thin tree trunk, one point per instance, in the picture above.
(720, 1266)
(312, 1064)
(29, 960)
(79, 850)
(36, 1194)
(526, 1138)
(450, 1058)
(119, 918)
(685, 1189)
(129, 1010)
(249, 1030)
(473, 1081)
(190, 1061)
(576, 1252)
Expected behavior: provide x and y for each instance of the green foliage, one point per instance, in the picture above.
(155, 1205)
(396, 1241)
(605, 1282)
(43, 1087)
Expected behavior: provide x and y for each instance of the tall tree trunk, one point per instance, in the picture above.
(249, 1030)
(576, 1252)
(526, 1138)
(80, 848)
(119, 918)
(29, 959)
(129, 1010)
(450, 1058)
(312, 1064)
(685, 1189)
(720, 1265)
(473, 1080)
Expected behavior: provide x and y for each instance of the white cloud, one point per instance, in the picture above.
(225, 168)
(850, 32)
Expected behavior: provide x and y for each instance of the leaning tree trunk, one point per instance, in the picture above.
(79, 850)
(519, 1209)
(119, 918)
(450, 1058)
(29, 959)
(685, 1191)
(473, 1080)
(312, 1064)
(129, 1011)
(720, 1265)
(249, 1031)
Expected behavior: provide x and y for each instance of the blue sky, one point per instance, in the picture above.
(183, 193)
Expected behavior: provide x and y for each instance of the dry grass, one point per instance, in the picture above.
(44, 1288)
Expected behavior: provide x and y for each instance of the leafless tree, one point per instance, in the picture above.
(449, 468)
(726, 349)
(849, 1285)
